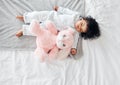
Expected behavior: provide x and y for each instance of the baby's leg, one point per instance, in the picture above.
(41, 16)
(19, 33)
(27, 30)
(36, 15)
(24, 31)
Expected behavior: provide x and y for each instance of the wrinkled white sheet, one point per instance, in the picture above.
(99, 64)
(22, 68)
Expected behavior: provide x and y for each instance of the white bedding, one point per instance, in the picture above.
(99, 64)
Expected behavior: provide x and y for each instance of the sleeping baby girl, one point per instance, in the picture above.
(86, 27)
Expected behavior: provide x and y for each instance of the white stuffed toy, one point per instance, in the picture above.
(50, 42)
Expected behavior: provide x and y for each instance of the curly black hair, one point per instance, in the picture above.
(93, 30)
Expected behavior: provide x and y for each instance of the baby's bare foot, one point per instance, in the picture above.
(20, 17)
(19, 33)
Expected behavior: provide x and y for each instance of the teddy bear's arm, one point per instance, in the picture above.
(53, 53)
(51, 27)
(41, 54)
(35, 28)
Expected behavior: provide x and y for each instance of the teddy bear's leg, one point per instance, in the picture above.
(41, 54)
(38, 54)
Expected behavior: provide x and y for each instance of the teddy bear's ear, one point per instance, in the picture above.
(71, 30)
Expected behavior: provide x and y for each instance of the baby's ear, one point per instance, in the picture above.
(71, 30)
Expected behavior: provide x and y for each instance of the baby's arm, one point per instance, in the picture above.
(64, 10)
(75, 44)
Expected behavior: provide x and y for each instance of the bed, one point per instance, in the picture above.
(98, 62)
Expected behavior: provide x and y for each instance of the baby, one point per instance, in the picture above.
(86, 27)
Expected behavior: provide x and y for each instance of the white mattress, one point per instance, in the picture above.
(99, 64)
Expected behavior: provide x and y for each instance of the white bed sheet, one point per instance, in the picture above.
(99, 64)
(22, 68)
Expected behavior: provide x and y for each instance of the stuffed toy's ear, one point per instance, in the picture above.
(35, 28)
(51, 27)
(71, 30)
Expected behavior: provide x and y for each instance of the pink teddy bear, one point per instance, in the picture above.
(50, 42)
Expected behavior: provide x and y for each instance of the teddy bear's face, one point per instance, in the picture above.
(65, 39)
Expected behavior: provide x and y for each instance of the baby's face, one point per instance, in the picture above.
(81, 26)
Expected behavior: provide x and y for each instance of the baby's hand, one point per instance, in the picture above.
(73, 51)
(55, 8)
